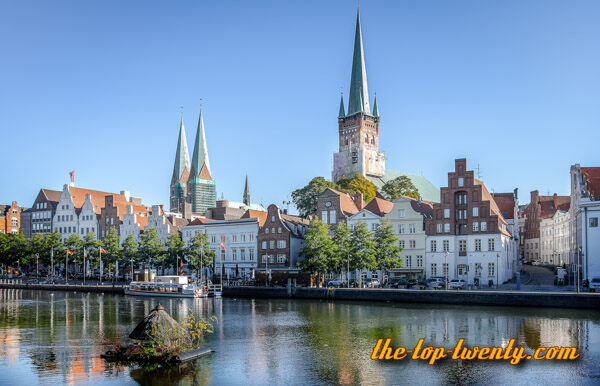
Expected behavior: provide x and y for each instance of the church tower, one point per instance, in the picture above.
(181, 172)
(202, 191)
(359, 126)
(246, 197)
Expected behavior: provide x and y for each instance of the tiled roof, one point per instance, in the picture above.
(347, 204)
(205, 173)
(485, 195)
(550, 204)
(379, 206)
(426, 189)
(592, 176)
(52, 195)
(200, 221)
(506, 204)
(424, 207)
(260, 215)
(141, 220)
(294, 219)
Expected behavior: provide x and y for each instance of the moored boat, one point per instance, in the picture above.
(167, 286)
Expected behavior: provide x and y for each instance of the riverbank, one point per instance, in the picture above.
(460, 297)
(117, 289)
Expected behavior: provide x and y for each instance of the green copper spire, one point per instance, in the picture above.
(246, 193)
(200, 155)
(342, 112)
(359, 92)
(375, 109)
(182, 156)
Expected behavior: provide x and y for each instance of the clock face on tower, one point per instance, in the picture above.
(328, 204)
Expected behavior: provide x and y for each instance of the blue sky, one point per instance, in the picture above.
(514, 86)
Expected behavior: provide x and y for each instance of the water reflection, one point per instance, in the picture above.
(57, 337)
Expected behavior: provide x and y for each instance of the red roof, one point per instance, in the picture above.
(52, 195)
(592, 177)
(258, 214)
(347, 204)
(550, 204)
(506, 204)
(200, 221)
(379, 206)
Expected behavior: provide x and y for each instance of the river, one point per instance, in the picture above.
(55, 338)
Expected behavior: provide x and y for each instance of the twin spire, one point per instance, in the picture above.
(199, 167)
(358, 101)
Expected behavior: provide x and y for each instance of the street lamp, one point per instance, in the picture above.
(497, 273)
(446, 267)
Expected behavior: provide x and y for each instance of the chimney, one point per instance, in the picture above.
(126, 194)
(555, 199)
(285, 211)
(358, 200)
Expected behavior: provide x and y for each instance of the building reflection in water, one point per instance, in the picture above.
(59, 337)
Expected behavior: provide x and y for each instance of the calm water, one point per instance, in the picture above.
(56, 338)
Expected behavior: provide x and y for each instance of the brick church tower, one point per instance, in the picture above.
(359, 127)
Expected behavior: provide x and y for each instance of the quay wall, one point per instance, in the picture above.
(487, 298)
(66, 287)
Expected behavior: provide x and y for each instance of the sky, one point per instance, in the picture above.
(97, 87)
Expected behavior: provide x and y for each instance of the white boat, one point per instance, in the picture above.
(169, 286)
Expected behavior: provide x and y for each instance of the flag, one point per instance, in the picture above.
(102, 250)
(222, 246)
(69, 252)
(72, 175)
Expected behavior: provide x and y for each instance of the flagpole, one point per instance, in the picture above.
(100, 267)
(52, 261)
(84, 270)
(66, 266)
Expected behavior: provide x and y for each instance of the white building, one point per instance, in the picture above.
(585, 215)
(66, 220)
(554, 238)
(239, 237)
(132, 224)
(165, 223)
(407, 218)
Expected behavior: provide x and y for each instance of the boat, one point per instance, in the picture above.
(166, 286)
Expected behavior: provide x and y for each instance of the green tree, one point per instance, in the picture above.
(37, 247)
(174, 252)
(92, 249)
(305, 198)
(129, 252)
(387, 251)
(398, 187)
(362, 251)
(52, 247)
(356, 184)
(198, 253)
(150, 247)
(74, 244)
(113, 251)
(317, 249)
(342, 242)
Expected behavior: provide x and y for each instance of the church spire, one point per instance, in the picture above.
(359, 92)
(182, 156)
(342, 112)
(246, 192)
(375, 109)
(200, 165)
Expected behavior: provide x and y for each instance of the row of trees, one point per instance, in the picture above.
(349, 249)
(17, 251)
(306, 197)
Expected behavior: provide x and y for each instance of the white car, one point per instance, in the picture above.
(595, 284)
(457, 284)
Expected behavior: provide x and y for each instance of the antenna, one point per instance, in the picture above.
(478, 172)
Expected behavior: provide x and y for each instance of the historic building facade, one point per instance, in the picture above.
(334, 207)
(554, 238)
(42, 211)
(467, 236)
(10, 218)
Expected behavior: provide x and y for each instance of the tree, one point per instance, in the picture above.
(398, 187)
(317, 249)
(73, 244)
(357, 184)
(174, 252)
(305, 198)
(92, 247)
(129, 252)
(113, 251)
(198, 253)
(362, 251)
(37, 246)
(342, 242)
(387, 251)
(150, 247)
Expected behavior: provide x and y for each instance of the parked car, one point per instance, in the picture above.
(398, 282)
(337, 283)
(416, 283)
(457, 284)
(436, 283)
(595, 284)
(372, 283)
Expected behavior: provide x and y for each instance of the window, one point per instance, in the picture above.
(412, 228)
(374, 226)
(264, 258)
(419, 261)
(222, 255)
(280, 244)
(445, 269)
(272, 218)
(433, 246)
(251, 254)
(439, 228)
(234, 254)
(324, 216)
(462, 245)
(213, 239)
(409, 261)
(484, 226)
(279, 230)
(475, 226)
(242, 254)
(401, 228)
(281, 259)
(234, 238)
(271, 259)
(273, 230)
(446, 245)
(461, 182)
(271, 244)
(593, 222)
(401, 243)
(264, 245)
(475, 212)
(401, 213)
(490, 244)
(477, 245)
(332, 218)
(267, 230)
(446, 213)
(250, 237)
(491, 269)
(412, 244)
(447, 228)
(433, 269)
